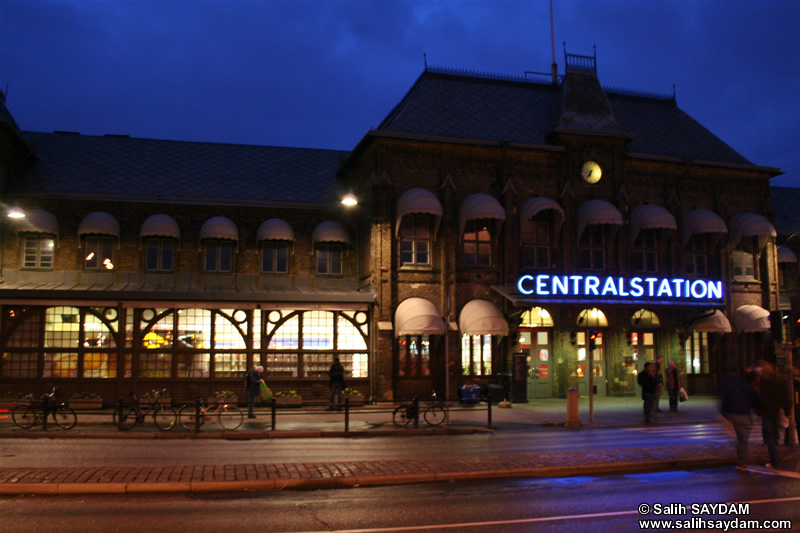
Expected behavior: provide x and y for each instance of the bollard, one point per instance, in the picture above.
(489, 408)
(197, 421)
(572, 409)
(45, 407)
(415, 403)
(120, 411)
(274, 413)
(346, 414)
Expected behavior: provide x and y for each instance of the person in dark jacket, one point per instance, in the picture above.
(773, 397)
(253, 388)
(673, 384)
(737, 402)
(336, 376)
(649, 382)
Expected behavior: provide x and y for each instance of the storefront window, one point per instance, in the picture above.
(414, 355)
(696, 351)
(476, 355)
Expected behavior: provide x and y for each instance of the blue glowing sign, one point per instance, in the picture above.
(545, 285)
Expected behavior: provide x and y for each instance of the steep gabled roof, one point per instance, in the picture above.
(473, 107)
(114, 166)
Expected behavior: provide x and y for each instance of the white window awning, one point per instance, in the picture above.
(786, 255)
(651, 216)
(160, 226)
(219, 228)
(38, 221)
(99, 223)
(595, 212)
(751, 225)
(417, 316)
(330, 231)
(534, 206)
(480, 317)
(477, 206)
(422, 201)
(751, 319)
(702, 221)
(275, 229)
(714, 322)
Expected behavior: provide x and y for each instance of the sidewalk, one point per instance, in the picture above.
(375, 421)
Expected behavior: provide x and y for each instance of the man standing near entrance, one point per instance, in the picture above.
(659, 382)
(647, 380)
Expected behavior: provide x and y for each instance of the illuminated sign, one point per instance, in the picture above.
(545, 285)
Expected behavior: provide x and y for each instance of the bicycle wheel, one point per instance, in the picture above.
(230, 417)
(435, 415)
(402, 415)
(65, 417)
(126, 417)
(164, 418)
(25, 416)
(189, 419)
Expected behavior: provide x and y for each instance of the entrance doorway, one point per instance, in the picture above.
(599, 363)
(536, 337)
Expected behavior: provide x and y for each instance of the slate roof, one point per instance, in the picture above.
(115, 166)
(516, 110)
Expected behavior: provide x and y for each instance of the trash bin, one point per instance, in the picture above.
(469, 394)
(495, 392)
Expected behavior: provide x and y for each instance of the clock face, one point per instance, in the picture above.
(591, 172)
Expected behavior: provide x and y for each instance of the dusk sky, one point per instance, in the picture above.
(320, 74)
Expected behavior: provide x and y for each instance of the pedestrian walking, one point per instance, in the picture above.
(647, 380)
(788, 439)
(659, 383)
(336, 376)
(774, 402)
(253, 388)
(674, 384)
(737, 402)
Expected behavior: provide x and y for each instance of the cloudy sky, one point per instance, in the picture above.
(320, 74)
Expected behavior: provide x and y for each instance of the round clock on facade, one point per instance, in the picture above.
(591, 172)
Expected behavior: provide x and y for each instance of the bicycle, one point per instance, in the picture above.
(434, 414)
(27, 416)
(228, 416)
(128, 415)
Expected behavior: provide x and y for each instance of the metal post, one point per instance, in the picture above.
(274, 408)
(45, 407)
(489, 407)
(591, 385)
(197, 422)
(346, 414)
(120, 411)
(415, 403)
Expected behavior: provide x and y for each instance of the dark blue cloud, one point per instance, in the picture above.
(321, 73)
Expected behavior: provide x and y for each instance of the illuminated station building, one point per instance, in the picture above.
(501, 222)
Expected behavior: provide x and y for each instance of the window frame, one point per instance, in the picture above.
(644, 254)
(415, 364)
(415, 222)
(473, 350)
(219, 245)
(326, 249)
(160, 242)
(481, 239)
(588, 244)
(533, 249)
(696, 247)
(39, 252)
(275, 247)
(92, 258)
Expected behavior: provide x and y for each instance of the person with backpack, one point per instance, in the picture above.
(252, 385)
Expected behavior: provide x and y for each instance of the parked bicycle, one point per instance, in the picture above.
(434, 413)
(127, 415)
(228, 415)
(27, 416)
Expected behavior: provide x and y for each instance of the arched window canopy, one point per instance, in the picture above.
(702, 221)
(595, 212)
(751, 225)
(477, 206)
(786, 255)
(751, 319)
(219, 228)
(99, 223)
(422, 201)
(160, 226)
(534, 206)
(38, 221)
(275, 229)
(714, 322)
(480, 317)
(417, 316)
(330, 231)
(651, 216)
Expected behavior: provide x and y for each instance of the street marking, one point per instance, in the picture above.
(433, 527)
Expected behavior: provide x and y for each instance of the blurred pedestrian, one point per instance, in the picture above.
(336, 377)
(674, 384)
(788, 439)
(659, 382)
(774, 402)
(737, 402)
(253, 389)
(647, 380)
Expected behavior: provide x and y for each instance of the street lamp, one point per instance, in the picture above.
(349, 199)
